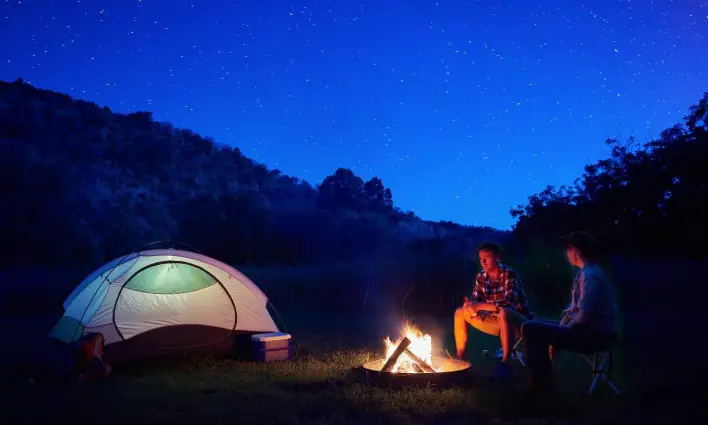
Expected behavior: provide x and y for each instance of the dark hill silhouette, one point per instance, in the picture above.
(81, 184)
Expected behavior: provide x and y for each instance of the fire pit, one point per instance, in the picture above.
(410, 362)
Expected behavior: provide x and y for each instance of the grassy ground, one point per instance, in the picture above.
(655, 366)
(317, 387)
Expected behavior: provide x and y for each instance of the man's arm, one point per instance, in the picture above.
(482, 306)
(478, 302)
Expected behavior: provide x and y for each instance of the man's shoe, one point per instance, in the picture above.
(502, 371)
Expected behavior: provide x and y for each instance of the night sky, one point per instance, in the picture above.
(463, 108)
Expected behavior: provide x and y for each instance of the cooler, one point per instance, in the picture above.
(273, 346)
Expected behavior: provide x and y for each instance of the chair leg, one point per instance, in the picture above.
(598, 371)
(515, 353)
(611, 384)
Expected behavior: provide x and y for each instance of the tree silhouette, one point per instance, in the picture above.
(343, 189)
(648, 200)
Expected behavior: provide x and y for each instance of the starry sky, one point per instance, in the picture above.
(463, 108)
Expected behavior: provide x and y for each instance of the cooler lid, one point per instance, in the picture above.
(270, 336)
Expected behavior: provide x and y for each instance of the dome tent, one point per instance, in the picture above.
(164, 299)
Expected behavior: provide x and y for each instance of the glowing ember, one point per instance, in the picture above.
(421, 346)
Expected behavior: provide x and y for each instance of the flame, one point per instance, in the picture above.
(421, 346)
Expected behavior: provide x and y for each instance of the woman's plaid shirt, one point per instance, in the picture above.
(508, 292)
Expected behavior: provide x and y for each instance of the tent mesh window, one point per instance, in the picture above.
(170, 278)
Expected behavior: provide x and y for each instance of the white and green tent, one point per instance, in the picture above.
(164, 299)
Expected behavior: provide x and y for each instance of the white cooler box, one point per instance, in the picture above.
(273, 346)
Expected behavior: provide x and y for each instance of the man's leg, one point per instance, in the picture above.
(538, 336)
(460, 331)
(510, 322)
(510, 327)
(487, 323)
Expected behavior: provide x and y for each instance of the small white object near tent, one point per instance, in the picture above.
(164, 299)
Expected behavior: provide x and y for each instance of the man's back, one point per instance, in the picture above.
(593, 293)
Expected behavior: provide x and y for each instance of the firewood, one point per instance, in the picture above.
(423, 365)
(402, 346)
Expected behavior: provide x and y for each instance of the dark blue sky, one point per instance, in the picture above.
(463, 108)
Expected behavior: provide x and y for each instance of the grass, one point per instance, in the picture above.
(319, 386)
(313, 389)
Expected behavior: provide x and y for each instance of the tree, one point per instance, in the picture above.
(641, 200)
(343, 189)
(377, 196)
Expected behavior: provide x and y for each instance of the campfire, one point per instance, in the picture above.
(410, 361)
(413, 353)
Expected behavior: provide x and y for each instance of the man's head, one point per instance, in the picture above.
(489, 256)
(581, 248)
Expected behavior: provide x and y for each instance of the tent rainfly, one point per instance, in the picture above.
(164, 299)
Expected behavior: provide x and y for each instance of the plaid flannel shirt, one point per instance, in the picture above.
(508, 292)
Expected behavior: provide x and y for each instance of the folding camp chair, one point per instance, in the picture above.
(600, 361)
(516, 353)
(601, 367)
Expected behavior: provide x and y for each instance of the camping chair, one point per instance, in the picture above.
(600, 361)
(601, 364)
(516, 353)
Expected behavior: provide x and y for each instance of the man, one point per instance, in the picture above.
(587, 325)
(498, 307)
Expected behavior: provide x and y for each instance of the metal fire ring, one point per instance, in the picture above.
(452, 372)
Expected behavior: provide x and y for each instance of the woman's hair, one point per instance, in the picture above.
(586, 245)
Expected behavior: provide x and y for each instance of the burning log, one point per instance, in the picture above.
(420, 362)
(402, 346)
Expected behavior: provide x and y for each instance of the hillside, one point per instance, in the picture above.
(81, 184)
